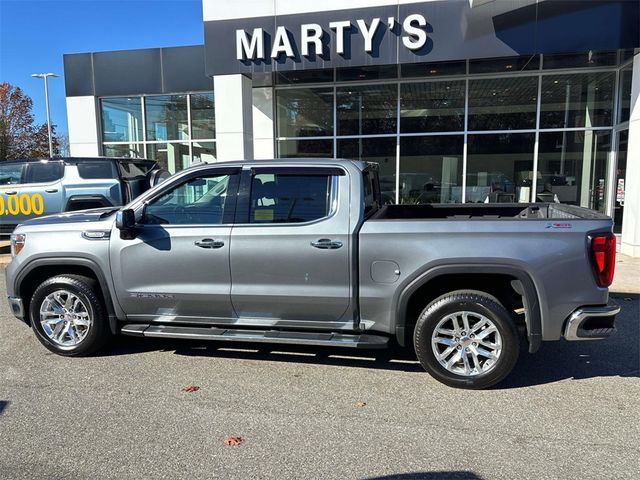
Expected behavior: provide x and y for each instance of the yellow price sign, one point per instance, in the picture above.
(23, 204)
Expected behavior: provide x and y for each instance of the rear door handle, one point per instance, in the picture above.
(12, 192)
(52, 190)
(209, 243)
(326, 244)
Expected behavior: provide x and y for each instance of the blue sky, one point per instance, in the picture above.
(34, 34)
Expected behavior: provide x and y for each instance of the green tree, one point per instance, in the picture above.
(19, 136)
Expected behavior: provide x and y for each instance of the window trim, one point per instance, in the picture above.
(243, 205)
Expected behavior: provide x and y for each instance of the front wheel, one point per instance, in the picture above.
(466, 339)
(68, 315)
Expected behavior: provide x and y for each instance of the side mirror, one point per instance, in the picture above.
(126, 222)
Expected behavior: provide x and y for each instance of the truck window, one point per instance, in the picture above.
(287, 198)
(96, 169)
(11, 174)
(44, 172)
(199, 201)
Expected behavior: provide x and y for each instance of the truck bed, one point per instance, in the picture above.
(537, 211)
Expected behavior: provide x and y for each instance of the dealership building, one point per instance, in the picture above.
(457, 100)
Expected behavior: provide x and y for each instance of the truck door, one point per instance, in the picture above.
(290, 247)
(177, 267)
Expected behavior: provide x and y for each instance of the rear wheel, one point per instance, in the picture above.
(68, 315)
(467, 339)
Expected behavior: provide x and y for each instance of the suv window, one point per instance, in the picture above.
(199, 201)
(96, 169)
(288, 198)
(44, 172)
(10, 174)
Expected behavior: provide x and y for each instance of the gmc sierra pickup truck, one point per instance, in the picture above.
(303, 252)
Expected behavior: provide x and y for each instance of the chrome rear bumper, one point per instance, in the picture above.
(592, 323)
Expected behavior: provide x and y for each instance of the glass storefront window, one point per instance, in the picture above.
(379, 150)
(316, 148)
(303, 76)
(121, 119)
(432, 107)
(572, 167)
(499, 167)
(433, 69)
(204, 152)
(431, 169)
(580, 60)
(577, 100)
(128, 150)
(625, 94)
(619, 186)
(305, 112)
(503, 103)
(384, 72)
(505, 64)
(203, 123)
(166, 117)
(367, 109)
(170, 156)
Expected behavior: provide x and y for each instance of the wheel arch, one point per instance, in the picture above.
(519, 280)
(39, 270)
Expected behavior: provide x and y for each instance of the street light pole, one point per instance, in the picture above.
(46, 76)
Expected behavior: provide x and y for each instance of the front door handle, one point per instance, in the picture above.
(326, 244)
(209, 243)
(51, 190)
(12, 192)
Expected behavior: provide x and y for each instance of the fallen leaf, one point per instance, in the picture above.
(233, 440)
(360, 403)
(191, 389)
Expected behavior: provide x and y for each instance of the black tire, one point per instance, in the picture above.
(475, 302)
(86, 289)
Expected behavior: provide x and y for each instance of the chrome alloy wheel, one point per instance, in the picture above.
(65, 318)
(466, 343)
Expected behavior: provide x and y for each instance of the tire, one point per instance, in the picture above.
(491, 346)
(86, 333)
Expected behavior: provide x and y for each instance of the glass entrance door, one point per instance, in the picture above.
(619, 186)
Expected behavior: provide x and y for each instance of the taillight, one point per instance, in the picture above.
(603, 258)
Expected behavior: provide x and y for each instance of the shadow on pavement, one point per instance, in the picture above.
(616, 356)
(3, 405)
(448, 475)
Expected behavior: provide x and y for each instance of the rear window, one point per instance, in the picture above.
(96, 169)
(285, 198)
(44, 172)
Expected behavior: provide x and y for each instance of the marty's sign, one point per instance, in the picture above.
(382, 35)
(315, 40)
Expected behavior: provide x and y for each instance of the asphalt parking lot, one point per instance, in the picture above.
(570, 411)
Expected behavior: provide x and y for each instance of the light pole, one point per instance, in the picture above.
(46, 76)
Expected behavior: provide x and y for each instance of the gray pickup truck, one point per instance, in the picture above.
(303, 252)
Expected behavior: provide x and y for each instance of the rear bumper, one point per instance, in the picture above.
(592, 323)
(17, 308)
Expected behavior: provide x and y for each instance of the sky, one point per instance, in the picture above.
(34, 35)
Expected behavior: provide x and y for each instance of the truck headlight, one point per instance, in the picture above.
(17, 243)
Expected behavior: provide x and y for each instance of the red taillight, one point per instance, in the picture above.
(603, 258)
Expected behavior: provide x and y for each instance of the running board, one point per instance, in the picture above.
(263, 336)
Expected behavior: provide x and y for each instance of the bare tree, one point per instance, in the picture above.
(19, 137)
